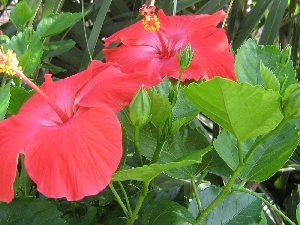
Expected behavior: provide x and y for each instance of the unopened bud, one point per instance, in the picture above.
(139, 108)
(185, 57)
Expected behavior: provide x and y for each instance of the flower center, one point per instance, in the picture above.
(165, 52)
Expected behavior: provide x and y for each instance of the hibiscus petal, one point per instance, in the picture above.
(113, 88)
(78, 158)
(132, 35)
(13, 139)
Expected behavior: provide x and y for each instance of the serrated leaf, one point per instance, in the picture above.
(21, 14)
(269, 157)
(24, 211)
(56, 23)
(160, 108)
(147, 173)
(18, 97)
(166, 212)
(250, 56)
(269, 78)
(4, 99)
(244, 208)
(244, 110)
(58, 47)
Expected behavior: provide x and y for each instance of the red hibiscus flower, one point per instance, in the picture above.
(158, 50)
(73, 150)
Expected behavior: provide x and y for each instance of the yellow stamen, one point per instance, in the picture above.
(9, 63)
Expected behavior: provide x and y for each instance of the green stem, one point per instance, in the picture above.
(266, 202)
(227, 189)
(25, 180)
(240, 152)
(158, 149)
(119, 200)
(139, 203)
(126, 198)
(137, 144)
(200, 179)
(195, 188)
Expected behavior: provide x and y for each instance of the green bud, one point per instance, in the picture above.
(185, 57)
(139, 108)
(291, 104)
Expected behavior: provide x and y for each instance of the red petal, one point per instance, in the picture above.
(78, 158)
(113, 88)
(13, 139)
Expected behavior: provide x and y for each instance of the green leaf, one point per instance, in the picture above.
(24, 211)
(93, 38)
(4, 99)
(269, 78)
(185, 142)
(183, 111)
(212, 6)
(237, 208)
(164, 87)
(166, 212)
(148, 135)
(161, 108)
(53, 68)
(244, 110)
(29, 49)
(251, 56)
(217, 165)
(57, 23)
(58, 47)
(147, 173)
(18, 97)
(273, 22)
(269, 157)
(250, 21)
(21, 14)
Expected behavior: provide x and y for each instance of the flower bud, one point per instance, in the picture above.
(139, 108)
(185, 57)
(291, 106)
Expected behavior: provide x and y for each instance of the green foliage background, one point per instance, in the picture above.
(70, 50)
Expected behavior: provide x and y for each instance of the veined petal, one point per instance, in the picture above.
(113, 88)
(13, 140)
(78, 158)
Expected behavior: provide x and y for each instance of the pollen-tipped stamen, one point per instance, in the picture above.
(151, 22)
